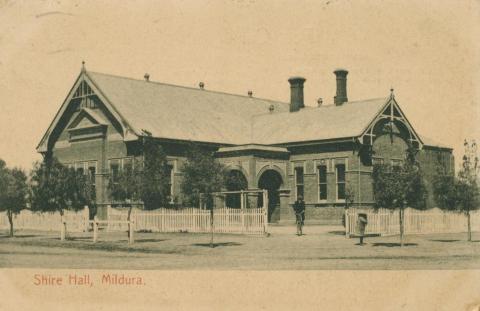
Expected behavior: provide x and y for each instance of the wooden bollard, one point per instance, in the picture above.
(95, 229)
(62, 230)
(130, 232)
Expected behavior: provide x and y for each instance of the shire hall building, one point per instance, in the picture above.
(287, 148)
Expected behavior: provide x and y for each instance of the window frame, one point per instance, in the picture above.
(297, 184)
(337, 182)
(320, 183)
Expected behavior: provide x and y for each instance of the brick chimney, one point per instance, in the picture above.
(296, 93)
(341, 96)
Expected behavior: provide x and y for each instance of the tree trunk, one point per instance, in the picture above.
(129, 223)
(64, 224)
(469, 224)
(10, 220)
(401, 226)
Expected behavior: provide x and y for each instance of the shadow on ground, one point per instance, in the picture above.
(337, 232)
(217, 244)
(150, 240)
(393, 244)
(18, 236)
(445, 241)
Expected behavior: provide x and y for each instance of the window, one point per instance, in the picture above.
(377, 161)
(340, 172)
(127, 164)
(396, 165)
(322, 182)
(80, 167)
(114, 168)
(299, 187)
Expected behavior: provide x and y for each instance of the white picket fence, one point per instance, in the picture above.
(46, 221)
(386, 222)
(225, 220)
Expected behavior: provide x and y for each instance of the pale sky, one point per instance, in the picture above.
(428, 51)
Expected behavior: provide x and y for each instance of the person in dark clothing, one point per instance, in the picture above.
(299, 208)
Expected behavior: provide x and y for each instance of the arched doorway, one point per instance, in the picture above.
(271, 181)
(235, 181)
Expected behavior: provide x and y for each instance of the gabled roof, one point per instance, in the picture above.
(176, 112)
(183, 113)
(327, 122)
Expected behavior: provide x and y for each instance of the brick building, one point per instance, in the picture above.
(287, 148)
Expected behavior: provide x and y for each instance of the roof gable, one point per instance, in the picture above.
(393, 114)
(82, 88)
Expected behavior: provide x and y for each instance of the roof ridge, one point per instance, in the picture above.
(188, 87)
(322, 107)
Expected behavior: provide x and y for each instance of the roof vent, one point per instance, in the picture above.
(250, 93)
(271, 108)
(320, 102)
(146, 76)
(201, 85)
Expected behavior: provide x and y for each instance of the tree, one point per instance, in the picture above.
(55, 187)
(13, 191)
(398, 187)
(146, 181)
(444, 190)
(155, 188)
(460, 194)
(202, 176)
(466, 186)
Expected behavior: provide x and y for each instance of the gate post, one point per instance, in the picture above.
(265, 215)
(242, 209)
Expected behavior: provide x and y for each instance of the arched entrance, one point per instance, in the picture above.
(236, 181)
(271, 181)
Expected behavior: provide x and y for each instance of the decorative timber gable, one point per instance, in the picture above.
(392, 121)
(83, 100)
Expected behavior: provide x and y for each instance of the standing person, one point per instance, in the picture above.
(299, 208)
(361, 224)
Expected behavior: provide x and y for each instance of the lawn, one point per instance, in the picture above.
(322, 247)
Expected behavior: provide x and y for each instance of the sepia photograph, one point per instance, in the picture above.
(301, 149)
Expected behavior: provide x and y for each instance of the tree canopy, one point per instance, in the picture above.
(202, 176)
(13, 191)
(147, 180)
(54, 187)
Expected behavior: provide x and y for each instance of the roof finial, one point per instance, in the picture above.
(83, 66)
(391, 92)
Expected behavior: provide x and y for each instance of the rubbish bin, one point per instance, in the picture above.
(362, 222)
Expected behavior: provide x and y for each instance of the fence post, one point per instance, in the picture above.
(130, 235)
(347, 224)
(95, 229)
(265, 206)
